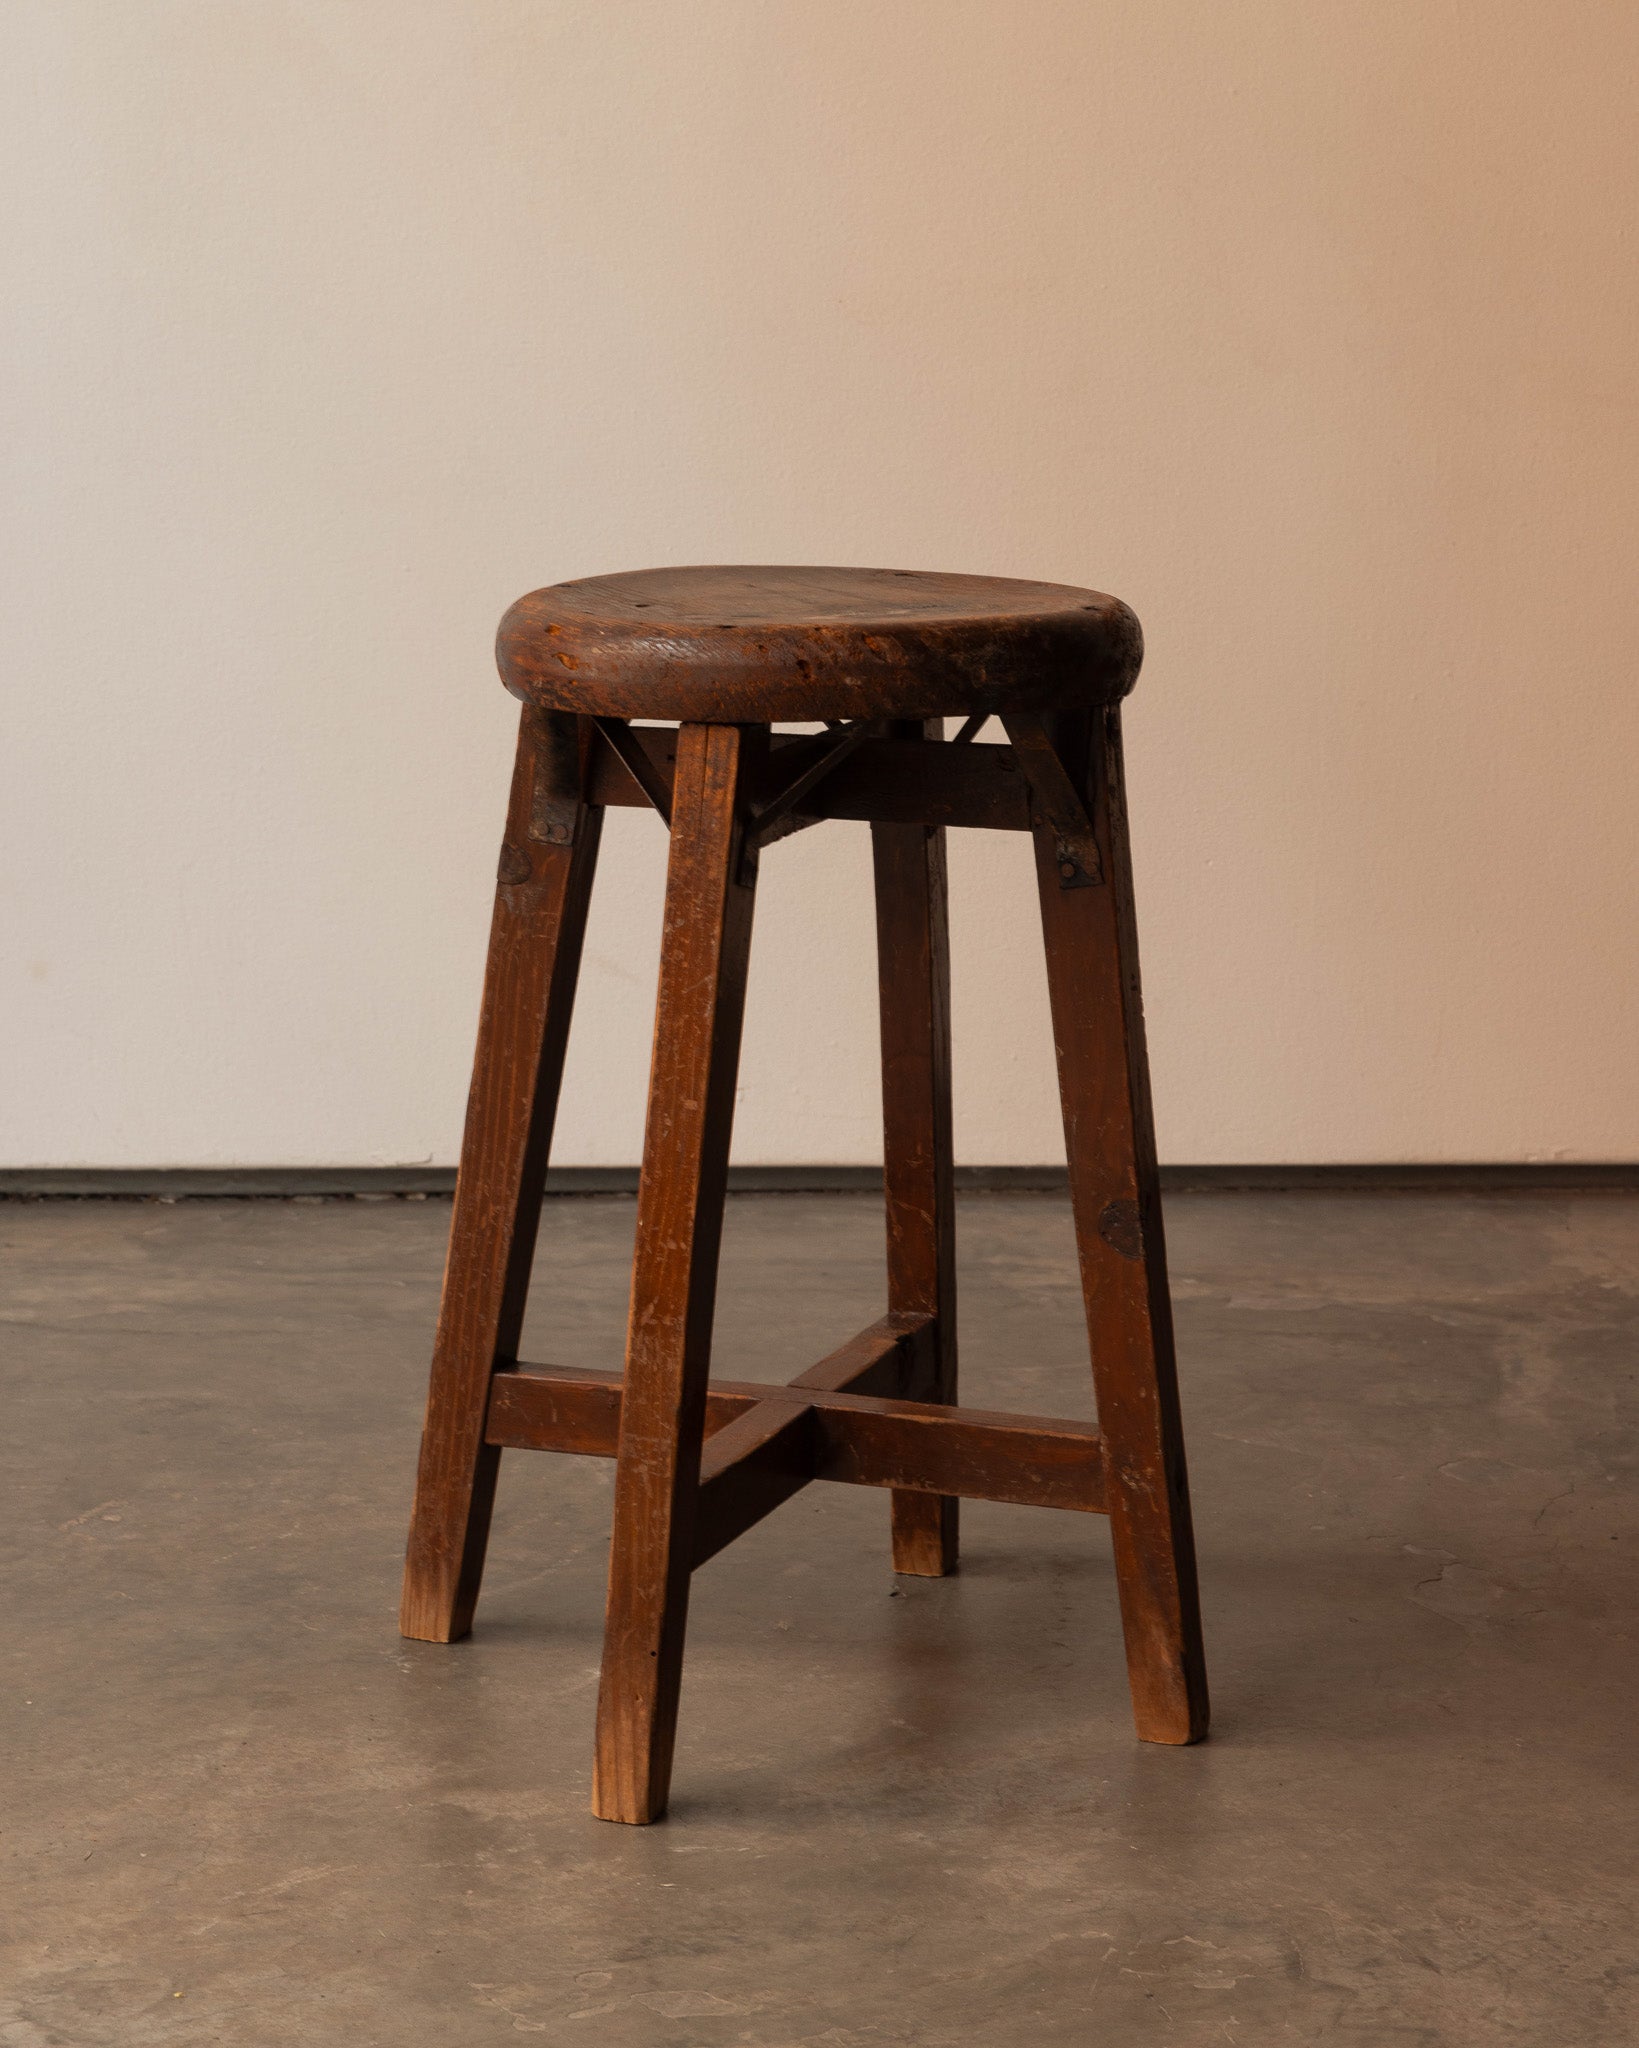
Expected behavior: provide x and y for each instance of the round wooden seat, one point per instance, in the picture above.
(759, 645)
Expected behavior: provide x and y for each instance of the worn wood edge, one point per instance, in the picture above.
(281, 1183)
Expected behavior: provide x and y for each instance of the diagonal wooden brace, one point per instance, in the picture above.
(1080, 865)
(644, 767)
(780, 815)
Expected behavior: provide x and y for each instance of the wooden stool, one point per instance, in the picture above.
(882, 657)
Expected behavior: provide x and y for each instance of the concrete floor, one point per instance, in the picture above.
(243, 1811)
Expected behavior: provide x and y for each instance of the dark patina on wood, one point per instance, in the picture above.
(771, 644)
(881, 657)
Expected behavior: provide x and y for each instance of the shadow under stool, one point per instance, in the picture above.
(882, 658)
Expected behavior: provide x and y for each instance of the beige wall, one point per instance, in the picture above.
(1307, 328)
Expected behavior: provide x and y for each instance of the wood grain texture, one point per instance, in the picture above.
(709, 893)
(857, 1440)
(1034, 1461)
(913, 975)
(1098, 1029)
(547, 862)
(576, 1408)
(759, 644)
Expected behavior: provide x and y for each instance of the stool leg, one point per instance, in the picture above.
(913, 966)
(547, 863)
(710, 883)
(1098, 1027)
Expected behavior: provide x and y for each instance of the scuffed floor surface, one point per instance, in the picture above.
(242, 1811)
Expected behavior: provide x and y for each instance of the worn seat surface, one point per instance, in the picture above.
(759, 645)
